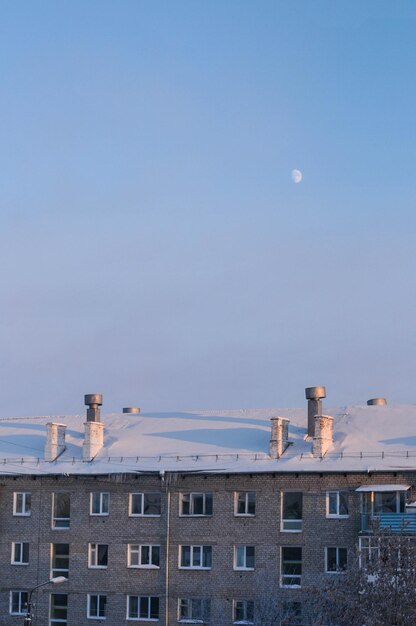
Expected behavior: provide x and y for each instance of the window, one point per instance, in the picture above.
(58, 609)
(22, 503)
(60, 559)
(142, 607)
(99, 503)
(335, 560)
(369, 550)
(195, 557)
(244, 557)
(292, 614)
(337, 504)
(196, 504)
(389, 502)
(194, 610)
(20, 553)
(61, 511)
(144, 504)
(244, 503)
(291, 511)
(143, 555)
(18, 602)
(97, 605)
(98, 555)
(291, 574)
(243, 611)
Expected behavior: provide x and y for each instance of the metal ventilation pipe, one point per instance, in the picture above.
(93, 401)
(131, 409)
(314, 396)
(377, 402)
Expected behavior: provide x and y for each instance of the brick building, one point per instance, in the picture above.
(193, 517)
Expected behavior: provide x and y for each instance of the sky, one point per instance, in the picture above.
(153, 245)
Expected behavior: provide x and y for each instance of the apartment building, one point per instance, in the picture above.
(194, 517)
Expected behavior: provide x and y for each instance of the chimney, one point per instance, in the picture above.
(279, 437)
(55, 440)
(131, 409)
(93, 402)
(322, 439)
(314, 396)
(377, 402)
(93, 441)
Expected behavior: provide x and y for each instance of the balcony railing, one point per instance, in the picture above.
(395, 522)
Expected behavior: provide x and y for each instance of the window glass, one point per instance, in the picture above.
(58, 609)
(292, 511)
(291, 566)
(60, 560)
(61, 510)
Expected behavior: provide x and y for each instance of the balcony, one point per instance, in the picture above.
(394, 522)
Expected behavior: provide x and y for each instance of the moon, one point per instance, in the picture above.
(296, 176)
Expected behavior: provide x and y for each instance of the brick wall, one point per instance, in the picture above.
(222, 530)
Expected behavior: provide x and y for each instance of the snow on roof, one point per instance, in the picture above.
(382, 488)
(366, 438)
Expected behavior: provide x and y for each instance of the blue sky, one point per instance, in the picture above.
(153, 246)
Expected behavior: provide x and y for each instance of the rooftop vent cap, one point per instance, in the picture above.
(315, 393)
(377, 402)
(131, 409)
(93, 401)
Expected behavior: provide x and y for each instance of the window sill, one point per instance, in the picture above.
(98, 567)
(184, 567)
(330, 516)
(195, 515)
(143, 515)
(17, 563)
(99, 515)
(20, 515)
(244, 569)
(143, 567)
(244, 515)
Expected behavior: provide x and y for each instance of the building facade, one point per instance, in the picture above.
(186, 544)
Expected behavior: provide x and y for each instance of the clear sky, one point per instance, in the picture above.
(153, 246)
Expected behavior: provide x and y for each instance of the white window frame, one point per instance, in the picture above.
(338, 570)
(246, 495)
(137, 549)
(245, 607)
(192, 495)
(284, 523)
(142, 495)
(59, 571)
(193, 550)
(297, 576)
(62, 519)
(372, 549)
(243, 568)
(142, 619)
(57, 620)
(22, 605)
(191, 619)
(336, 515)
(101, 507)
(26, 504)
(21, 544)
(98, 596)
(93, 554)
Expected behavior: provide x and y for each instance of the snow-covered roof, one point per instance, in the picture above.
(382, 488)
(366, 438)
